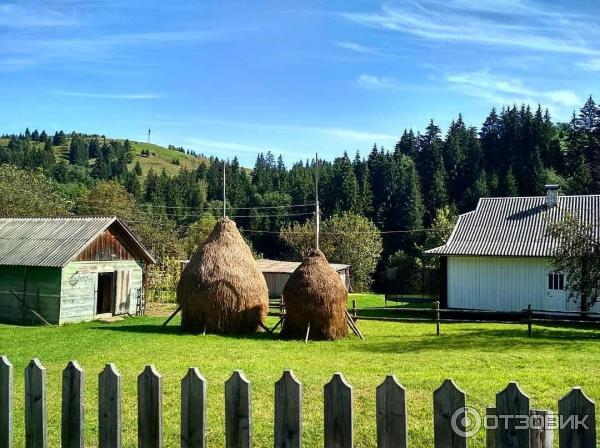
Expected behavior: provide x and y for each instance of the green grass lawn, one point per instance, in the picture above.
(482, 358)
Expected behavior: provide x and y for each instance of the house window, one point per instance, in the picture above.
(556, 281)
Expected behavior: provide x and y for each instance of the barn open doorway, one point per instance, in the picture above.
(105, 293)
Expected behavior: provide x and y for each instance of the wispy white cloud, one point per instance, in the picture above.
(505, 23)
(592, 65)
(356, 135)
(202, 144)
(502, 90)
(377, 82)
(358, 48)
(14, 15)
(112, 96)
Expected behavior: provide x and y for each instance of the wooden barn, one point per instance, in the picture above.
(499, 256)
(278, 272)
(68, 269)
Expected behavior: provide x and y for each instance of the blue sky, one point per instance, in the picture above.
(233, 78)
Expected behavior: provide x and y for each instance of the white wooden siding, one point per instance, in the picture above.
(498, 283)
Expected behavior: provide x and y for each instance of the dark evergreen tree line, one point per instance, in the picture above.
(515, 152)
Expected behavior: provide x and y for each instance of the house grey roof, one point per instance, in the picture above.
(53, 242)
(287, 267)
(517, 226)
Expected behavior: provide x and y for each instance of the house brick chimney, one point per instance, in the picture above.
(551, 195)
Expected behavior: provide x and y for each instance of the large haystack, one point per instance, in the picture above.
(221, 289)
(314, 293)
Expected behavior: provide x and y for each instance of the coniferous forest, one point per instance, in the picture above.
(405, 194)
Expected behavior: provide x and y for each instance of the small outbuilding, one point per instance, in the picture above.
(69, 269)
(278, 272)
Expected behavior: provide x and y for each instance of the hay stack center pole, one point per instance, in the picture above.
(224, 197)
(317, 211)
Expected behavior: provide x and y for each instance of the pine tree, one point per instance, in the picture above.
(432, 171)
(78, 151)
(137, 169)
(344, 186)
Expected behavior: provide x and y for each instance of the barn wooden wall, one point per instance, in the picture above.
(105, 248)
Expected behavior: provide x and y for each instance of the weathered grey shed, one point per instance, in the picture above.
(278, 272)
(69, 269)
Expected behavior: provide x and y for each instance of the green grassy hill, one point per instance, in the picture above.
(159, 158)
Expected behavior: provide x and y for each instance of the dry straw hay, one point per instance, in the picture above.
(315, 294)
(221, 289)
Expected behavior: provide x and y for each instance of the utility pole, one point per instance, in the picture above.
(149, 134)
(317, 210)
(224, 197)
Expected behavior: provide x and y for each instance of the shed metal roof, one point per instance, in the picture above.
(53, 242)
(287, 267)
(517, 226)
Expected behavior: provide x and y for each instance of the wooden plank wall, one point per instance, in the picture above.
(79, 283)
(38, 285)
(452, 426)
(107, 247)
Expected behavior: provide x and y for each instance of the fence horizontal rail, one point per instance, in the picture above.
(513, 422)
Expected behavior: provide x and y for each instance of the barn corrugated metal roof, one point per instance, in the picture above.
(53, 242)
(517, 226)
(287, 267)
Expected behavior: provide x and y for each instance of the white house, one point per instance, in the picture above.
(498, 256)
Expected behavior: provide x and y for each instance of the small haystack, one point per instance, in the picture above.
(315, 294)
(221, 289)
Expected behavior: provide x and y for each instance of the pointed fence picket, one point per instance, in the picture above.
(36, 406)
(238, 411)
(391, 414)
(575, 422)
(109, 407)
(193, 410)
(288, 411)
(6, 402)
(72, 406)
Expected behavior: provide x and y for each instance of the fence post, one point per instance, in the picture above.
(448, 400)
(72, 406)
(150, 434)
(6, 402)
(109, 407)
(354, 307)
(36, 410)
(512, 401)
(490, 429)
(338, 413)
(238, 411)
(288, 411)
(529, 318)
(436, 305)
(540, 431)
(193, 410)
(577, 407)
(391, 414)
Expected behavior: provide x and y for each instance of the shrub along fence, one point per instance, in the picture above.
(453, 421)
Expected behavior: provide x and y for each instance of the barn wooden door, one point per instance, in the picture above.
(122, 291)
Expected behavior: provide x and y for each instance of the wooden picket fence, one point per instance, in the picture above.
(391, 417)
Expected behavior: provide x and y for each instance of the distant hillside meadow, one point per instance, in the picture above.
(171, 196)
